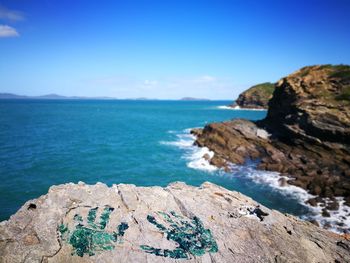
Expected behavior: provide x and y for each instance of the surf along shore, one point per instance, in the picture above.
(305, 137)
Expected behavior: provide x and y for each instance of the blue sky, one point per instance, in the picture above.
(164, 49)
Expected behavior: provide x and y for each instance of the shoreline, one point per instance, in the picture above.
(199, 159)
(225, 107)
(305, 136)
(329, 213)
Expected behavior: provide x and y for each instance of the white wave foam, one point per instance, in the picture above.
(271, 179)
(181, 142)
(198, 161)
(197, 157)
(338, 221)
(227, 107)
(237, 108)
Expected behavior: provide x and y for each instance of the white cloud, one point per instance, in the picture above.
(7, 31)
(204, 79)
(10, 15)
(170, 87)
(203, 86)
(150, 82)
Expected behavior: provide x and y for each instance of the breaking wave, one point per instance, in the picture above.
(337, 221)
(223, 107)
(198, 158)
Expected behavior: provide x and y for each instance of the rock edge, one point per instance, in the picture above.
(230, 227)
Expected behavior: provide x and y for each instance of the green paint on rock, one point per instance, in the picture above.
(122, 228)
(190, 236)
(105, 217)
(92, 238)
(177, 253)
(92, 217)
(78, 218)
(63, 229)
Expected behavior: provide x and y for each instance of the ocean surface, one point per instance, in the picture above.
(146, 143)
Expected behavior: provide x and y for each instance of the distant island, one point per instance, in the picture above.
(190, 98)
(51, 97)
(5, 96)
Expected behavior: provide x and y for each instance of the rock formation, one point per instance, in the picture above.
(125, 223)
(256, 97)
(306, 134)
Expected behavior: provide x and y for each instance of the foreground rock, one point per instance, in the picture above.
(125, 223)
(308, 124)
(256, 97)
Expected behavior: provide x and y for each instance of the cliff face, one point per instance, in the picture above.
(256, 97)
(308, 124)
(310, 111)
(314, 101)
(125, 223)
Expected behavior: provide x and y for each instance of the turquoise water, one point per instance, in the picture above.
(140, 142)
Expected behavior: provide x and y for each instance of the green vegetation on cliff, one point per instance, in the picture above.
(345, 94)
(257, 96)
(342, 72)
(309, 122)
(338, 77)
(266, 89)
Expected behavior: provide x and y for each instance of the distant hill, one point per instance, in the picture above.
(190, 98)
(141, 98)
(12, 96)
(51, 97)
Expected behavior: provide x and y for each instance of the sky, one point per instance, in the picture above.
(165, 49)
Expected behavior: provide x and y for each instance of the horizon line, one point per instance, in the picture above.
(54, 96)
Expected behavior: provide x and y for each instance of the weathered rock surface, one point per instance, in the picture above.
(125, 223)
(309, 122)
(233, 141)
(256, 97)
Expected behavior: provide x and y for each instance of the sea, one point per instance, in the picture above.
(141, 142)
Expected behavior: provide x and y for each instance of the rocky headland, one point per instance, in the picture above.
(125, 223)
(256, 97)
(305, 136)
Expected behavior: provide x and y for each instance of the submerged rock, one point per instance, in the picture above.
(125, 223)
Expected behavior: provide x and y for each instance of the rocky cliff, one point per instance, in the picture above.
(256, 97)
(305, 136)
(125, 223)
